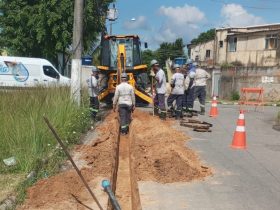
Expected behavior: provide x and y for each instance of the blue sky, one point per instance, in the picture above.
(165, 20)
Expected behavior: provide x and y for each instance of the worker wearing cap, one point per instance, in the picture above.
(189, 87)
(125, 98)
(201, 77)
(177, 92)
(93, 91)
(159, 100)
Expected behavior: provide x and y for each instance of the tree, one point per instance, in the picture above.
(170, 50)
(40, 28)
(148, 56)
(204, 37)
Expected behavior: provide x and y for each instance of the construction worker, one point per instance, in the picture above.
(159, 100)
(201, 76)
(125, 98)
(189, 87)
(177, 92)
(93, 91)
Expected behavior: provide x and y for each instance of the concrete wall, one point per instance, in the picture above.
(235, 79)
(86, 72)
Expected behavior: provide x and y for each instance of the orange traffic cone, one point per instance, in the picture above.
(214, 108)
(239, 137)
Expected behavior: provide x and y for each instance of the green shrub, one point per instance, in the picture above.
(235, 95)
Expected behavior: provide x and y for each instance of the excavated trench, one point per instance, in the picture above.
(153, 151)
(123, 177)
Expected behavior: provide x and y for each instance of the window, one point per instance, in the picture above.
(208, 53)
(221, 44)
(130, 48)
(197, 58)
(50, 72)
(232, 44)
(271, 41)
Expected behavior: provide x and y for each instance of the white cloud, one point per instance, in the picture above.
(182, 15)
(235, 15)
(139, 23)
(180, 22)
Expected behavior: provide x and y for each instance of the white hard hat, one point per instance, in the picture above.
(192, 74)
(124, 75)
(189, 61)
(154, 62)
(176, 66)
(94, 69)
(195, 64)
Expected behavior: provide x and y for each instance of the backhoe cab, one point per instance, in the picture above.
(121, 54)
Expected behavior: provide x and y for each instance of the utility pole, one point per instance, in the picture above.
(111, 27)
(77, 46)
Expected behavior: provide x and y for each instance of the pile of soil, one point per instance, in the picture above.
(65, 190)
(160, 153)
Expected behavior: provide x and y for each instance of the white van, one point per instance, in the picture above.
(29, 72)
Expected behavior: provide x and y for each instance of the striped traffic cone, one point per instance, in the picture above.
(239, 137)
(214, 108)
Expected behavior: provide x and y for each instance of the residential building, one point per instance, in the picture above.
(203, 53)
(253, 46)
(242, 57)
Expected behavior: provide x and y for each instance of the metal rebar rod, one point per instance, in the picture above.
(72, 161)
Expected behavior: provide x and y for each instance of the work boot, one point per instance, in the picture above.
(156, 111)
(189, 113)
(162, 115)
(181, 114)
(202, 111)
(170, 111)
(124, 131)
(127, 130)
(178, 115)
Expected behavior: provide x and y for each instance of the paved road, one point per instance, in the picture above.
(247, 179)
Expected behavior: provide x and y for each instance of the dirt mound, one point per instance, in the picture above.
(160, 153)
(65, 190)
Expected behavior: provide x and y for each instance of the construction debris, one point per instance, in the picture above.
(199, 126)
(10, 161)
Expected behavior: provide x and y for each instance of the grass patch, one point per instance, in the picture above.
(25, 136)
(9, 183)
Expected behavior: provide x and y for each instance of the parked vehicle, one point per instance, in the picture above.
(29, 72)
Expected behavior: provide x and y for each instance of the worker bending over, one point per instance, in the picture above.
(159, 100)
(177, 92)
(93, 91)
(201, 77)
(125, 98)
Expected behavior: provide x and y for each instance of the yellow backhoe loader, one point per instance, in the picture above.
(121, 54)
